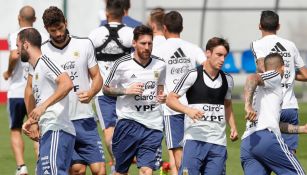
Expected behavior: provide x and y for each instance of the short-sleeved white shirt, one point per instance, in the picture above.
(180, 56)
(100, 35)
(44, 76)
(76, 58)
(143, 108)
(205, 130)
(292, 60)
(267, 104)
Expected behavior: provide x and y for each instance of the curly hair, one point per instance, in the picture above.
(53, 16)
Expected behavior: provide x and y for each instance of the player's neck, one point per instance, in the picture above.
(267, 33)
(118, 20)
(171, 35)
(158, 33)
(60, 45)
(34, 56)
(142, 62)
(210, 70)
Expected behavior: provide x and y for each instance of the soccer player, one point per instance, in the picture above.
(111, 41)
(77, 57)
(155, 22)
(208, 92)
(50, 86)
(180, 56)
(17, 76)
(137, 80)
(271, 43)
(262, 148)
(127, 20)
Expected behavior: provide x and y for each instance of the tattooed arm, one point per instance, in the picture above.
(292, 129)
(133, 89)
(251, 83)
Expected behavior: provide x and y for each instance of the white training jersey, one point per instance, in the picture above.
(143, 108)
(267, 104)
(156, 42)
(76, 58)
(212, 127)
(17, 81)
(100, 35)
(44, 84)
(180, 56)
(292, 59)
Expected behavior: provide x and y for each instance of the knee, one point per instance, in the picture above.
(77, 169)
(98, 169)
(145, 171)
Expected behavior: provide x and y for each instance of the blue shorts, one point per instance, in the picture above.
(203, 158)
(174, 130)
(290, 116)
(88, 147)
(55, 152)
(131, 139)
(17, 110)
(263, 152)
(106, 111)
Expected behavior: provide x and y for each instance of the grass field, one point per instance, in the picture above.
(7, 162)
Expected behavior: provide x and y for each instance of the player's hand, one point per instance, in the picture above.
(135, 89)
(34, 132)
(6, 75)
(233, 134)
(161, 98)
(84, 96)
(250, 114)
(194, 114)
(37, 113)
(27, 126)
(304, 129)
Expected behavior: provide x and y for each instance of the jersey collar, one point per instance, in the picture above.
(61, 48)
(150, 59)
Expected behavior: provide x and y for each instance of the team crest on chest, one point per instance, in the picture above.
(156, 74)
(76, 54)
(36, 76)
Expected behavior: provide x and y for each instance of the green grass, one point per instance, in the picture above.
(8, 166)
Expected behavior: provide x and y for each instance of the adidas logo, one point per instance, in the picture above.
(281, 50)
(179, 57)
(133, 76)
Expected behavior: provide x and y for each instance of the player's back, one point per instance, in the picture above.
(292, 60)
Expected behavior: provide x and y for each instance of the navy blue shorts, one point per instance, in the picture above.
(263, 152)
(290, 116)
(203, 158)
(55, 152)
(17, 111)
(132, 139)
(106, 111)
(174, 130)
(88, 147)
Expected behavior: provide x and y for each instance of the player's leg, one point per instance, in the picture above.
(174, 170)
(149, 154)
(17, 112)
(215, 160)
(56, 149)
(192, 157)
(124, 144)
(174, 130)
(278, 157)
(88, 148)
(290, 116)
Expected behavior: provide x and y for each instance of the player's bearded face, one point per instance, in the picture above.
(58, 33)
(24, 54)
(143, 46)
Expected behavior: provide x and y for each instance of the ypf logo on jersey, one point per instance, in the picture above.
(213, 113)
(281, 50)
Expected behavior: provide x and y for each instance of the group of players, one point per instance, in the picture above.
(148, 82)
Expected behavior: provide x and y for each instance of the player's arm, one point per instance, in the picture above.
(260, 65)
(29, 98)
(292, 129)
(251, 83)
(64, 85)
(86, 96)
(13, 59)
(301, 74)
(173, 102)
(161, 97)
(231, 120)
(133, 89)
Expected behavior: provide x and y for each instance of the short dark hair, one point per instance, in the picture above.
(141, 30)
(216, 41)
(53, 16)
(126, 4)
(273, 61)
(173, 22)
(269, 21)
(30, 35)
(156, 16)
(115, 8)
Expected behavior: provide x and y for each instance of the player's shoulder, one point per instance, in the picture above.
(269, 75)
(158, 59)
(123, 60)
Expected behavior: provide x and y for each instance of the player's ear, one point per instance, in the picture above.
(134, 43)
(278, 27)
(259, 26)
(208, 53)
